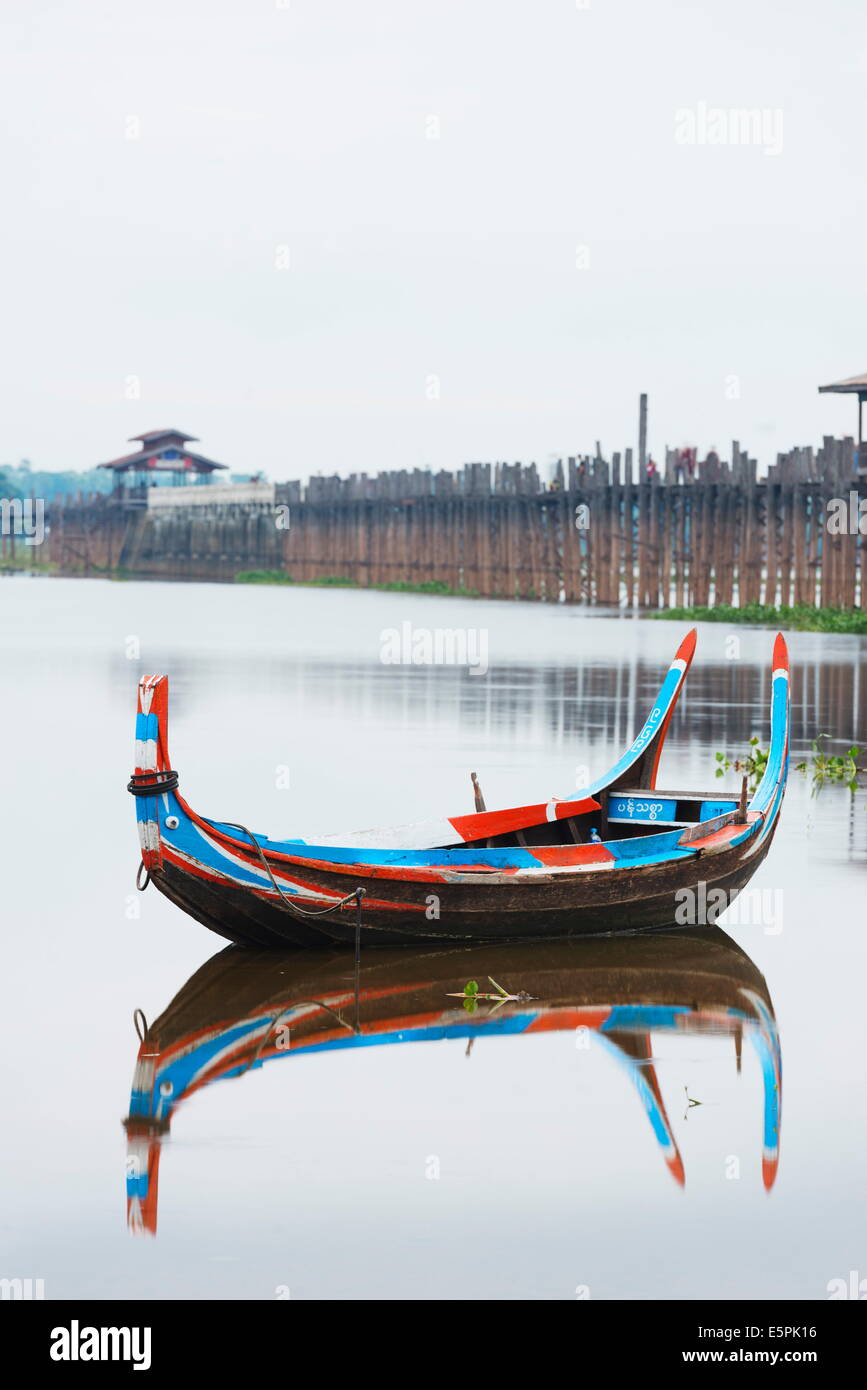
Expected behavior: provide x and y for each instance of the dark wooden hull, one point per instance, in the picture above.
(559, 908)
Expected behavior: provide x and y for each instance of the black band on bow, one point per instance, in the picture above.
(152, 783)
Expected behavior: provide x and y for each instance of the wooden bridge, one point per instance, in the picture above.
(705, 533)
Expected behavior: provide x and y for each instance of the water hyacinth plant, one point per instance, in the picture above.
(821, 766)
(831, 767)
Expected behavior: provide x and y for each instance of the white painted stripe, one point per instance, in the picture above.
(148, 761)
(148, 834)
(262, 879)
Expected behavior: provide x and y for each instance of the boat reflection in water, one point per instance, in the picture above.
(244, 1008)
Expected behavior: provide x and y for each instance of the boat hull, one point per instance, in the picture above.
(561, 907)
(624, 857)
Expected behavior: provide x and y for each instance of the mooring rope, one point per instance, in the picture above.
(355, 896)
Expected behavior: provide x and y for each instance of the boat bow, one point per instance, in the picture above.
(153, 777)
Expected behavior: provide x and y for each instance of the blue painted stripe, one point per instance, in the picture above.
(777, 764)
(652, 724)
(146, 808)
(650, 849)
(190, 840)
(194, 1064)
(766, 1041)
(636, 1070)
(771, 1106)
(635, 851)
(774, 810)
(137, 1184)
(182, 1070)
(642, 1017)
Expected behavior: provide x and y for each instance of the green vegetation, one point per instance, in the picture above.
(430, 586)
(471, 996)
(831, 767)
(753, 764)
(23, 564)
(22, 480)
(327, 581)
(8, 486)
(822, 767)
(801, 618)
(336, 581)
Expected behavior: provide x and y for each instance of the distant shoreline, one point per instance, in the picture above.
(436, 587)
(851, 622)
(802, 618)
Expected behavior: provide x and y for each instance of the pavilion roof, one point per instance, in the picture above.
(150, 436)
(851, 384)
(150, 458)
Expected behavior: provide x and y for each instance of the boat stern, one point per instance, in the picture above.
(769, 793)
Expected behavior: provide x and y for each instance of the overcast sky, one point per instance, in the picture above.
(503, 291)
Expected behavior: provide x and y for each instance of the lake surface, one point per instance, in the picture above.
(532, 1151)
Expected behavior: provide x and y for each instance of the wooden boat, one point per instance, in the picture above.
(619, 856)
(244, 1009)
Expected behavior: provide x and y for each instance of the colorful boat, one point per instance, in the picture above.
(618, 857)
(245, 1008)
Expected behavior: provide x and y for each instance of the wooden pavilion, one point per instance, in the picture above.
(852, 386)
(162, 459)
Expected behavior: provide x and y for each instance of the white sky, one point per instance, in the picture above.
(266, 125)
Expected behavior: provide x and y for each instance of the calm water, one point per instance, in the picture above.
(538, 1160)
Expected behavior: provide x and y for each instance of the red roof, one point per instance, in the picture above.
(150, 436)
(150, 458)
